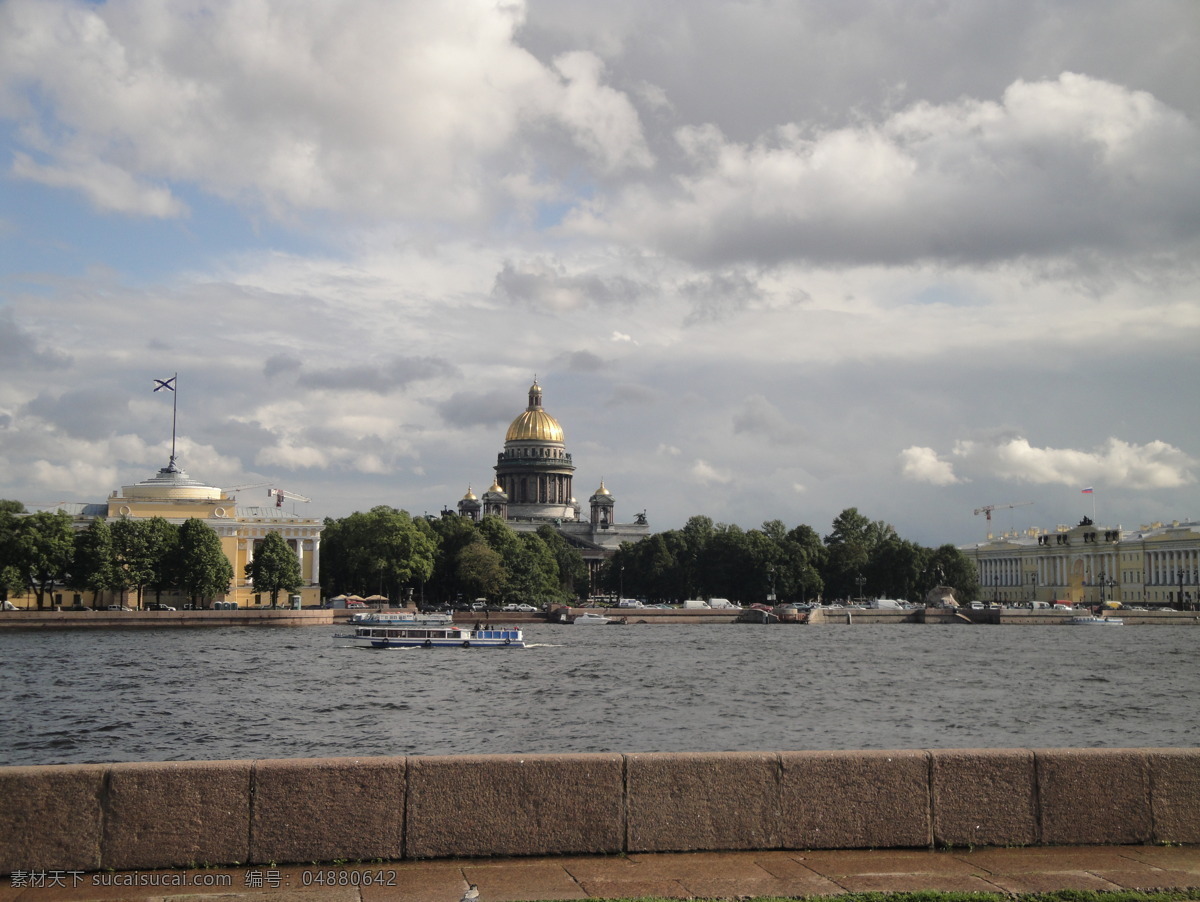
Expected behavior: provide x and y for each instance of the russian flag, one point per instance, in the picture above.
(1088, 490)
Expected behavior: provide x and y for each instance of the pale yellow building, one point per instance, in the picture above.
(1157, 565)
(176, 497)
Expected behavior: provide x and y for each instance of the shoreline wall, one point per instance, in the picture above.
(187, 814)
(53, 620)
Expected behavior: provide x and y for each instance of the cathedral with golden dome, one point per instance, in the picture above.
(533, 487)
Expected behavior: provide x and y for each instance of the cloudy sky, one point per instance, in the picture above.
(768, 260)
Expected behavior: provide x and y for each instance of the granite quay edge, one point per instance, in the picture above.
(273, 811)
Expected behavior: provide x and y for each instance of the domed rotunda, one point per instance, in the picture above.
(533, 487)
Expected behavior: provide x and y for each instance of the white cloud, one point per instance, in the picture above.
(347, 105)
(109, 188)
(1154, 465)
(704, 472)
(923, 465)
(1051, 162)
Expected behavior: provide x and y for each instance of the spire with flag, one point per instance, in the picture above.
(169, 385)
(1091, 491)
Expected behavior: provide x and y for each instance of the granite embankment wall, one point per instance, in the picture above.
(136, 816)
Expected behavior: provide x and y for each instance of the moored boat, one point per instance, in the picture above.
(588, 617)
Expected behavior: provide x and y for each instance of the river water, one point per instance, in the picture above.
(220, 693)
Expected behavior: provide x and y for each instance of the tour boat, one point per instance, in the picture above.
(1090, 619)
(408, 630)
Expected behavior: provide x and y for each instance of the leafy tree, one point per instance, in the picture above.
(92, 566)
(572, 569)
(162, 550)
(134, 556)
(851, 544)
(380, 550)
(9, 506)
(947, 566)
(45, 547)
(203, 571)
(479, 569)
(533, 577)
(11, 579)
(452, 535)
(275, 567)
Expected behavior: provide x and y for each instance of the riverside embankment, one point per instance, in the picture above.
(187, 814)
(90, 619)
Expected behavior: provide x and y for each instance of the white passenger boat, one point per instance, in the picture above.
(1092, 620)
(588, 617)
(408, 630)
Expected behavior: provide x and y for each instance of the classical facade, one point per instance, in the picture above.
(176, 497)
(533, 486)
(1157, 565)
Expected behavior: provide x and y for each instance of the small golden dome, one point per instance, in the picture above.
(602, 490)
(470, 496)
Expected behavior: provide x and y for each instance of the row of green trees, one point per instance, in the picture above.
(858, 558)
(130, 557)
(385, 551)
(442, 560)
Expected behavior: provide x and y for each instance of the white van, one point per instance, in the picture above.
(1039, 605)
(694, 603)
(723, 604)
(887, 604)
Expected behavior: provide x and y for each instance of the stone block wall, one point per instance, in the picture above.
(140, 816)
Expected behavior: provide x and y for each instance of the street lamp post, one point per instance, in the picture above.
(1179, 597)
(771, 576)
(861, 580)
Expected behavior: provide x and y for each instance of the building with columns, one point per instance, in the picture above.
(1157, 565)
(176, 497)
(533, 487)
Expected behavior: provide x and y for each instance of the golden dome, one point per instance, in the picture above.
(470, 496)
(534, 424)
(602, 490)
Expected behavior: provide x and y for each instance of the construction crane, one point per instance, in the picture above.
(237, 488)
(988, 508)
(280, 494)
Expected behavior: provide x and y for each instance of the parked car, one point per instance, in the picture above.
(154, 606)
(526, 608)
(118, 607)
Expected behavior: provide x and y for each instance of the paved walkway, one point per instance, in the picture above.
(703, 874)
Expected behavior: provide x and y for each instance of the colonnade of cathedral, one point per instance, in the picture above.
(544, 488)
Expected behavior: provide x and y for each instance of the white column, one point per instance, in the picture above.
(316, 563)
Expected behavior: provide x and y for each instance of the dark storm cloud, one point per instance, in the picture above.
(547, 287)
(377, 378)
(581, 362)
(83, 413)
(19, 348)
(278, 364)
(467, 409)
(716, 295)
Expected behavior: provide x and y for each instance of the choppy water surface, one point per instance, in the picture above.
(214, 693)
